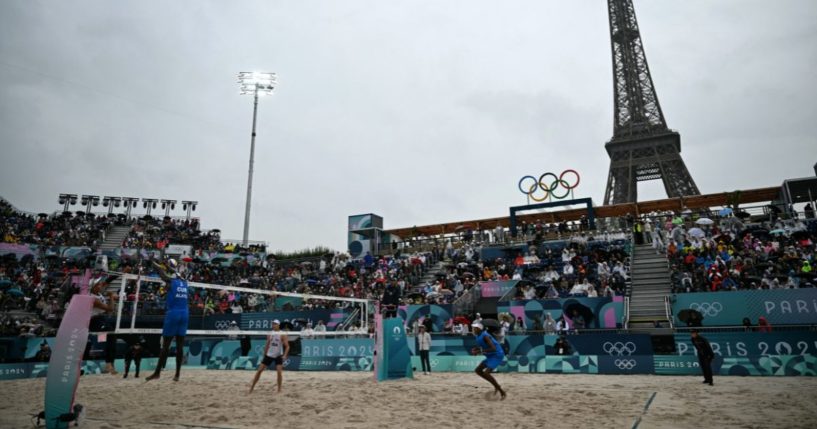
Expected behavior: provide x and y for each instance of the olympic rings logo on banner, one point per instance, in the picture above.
(625, 363)
(618, 348)
(221, 324)
(549, 189)
(707, 309)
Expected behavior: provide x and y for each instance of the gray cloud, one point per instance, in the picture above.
(423, 112)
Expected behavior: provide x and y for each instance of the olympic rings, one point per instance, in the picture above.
(707, 309)
(619, 348)
(625, 363)
(549, 190)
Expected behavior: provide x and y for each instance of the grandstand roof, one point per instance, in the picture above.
(759, 195)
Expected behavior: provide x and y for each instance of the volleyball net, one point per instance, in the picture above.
(220, 310)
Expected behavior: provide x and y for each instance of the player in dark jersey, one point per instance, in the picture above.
(176, 317)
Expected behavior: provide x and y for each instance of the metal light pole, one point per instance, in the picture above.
(255, 83)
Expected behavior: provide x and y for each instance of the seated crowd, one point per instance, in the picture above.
(64, 229)
(723, 254)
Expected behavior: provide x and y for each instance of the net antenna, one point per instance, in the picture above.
(135, 286)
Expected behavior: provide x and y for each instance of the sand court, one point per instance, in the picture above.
(218, 399)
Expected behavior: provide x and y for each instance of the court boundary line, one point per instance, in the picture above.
(189, 425)
(644, 411)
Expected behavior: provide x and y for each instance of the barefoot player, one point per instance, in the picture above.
(176, 317)
(490, 347)
(276, 350)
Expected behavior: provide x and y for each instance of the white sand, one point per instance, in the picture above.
(353, 400)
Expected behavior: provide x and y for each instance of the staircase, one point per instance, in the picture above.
(650, 284)
(432, 272)
(114, 237)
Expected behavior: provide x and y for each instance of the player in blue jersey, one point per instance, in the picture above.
(490, 347)
(176, 316)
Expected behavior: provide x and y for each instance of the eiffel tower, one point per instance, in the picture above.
(642, 147)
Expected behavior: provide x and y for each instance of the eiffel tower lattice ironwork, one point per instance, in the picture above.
(642, 147)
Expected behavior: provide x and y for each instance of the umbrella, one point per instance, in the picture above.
(677, 221)
(583, 311)
(777, 231)
(725, 212)
(704, 221)
(688, 315)
(696, 232)
(742, 214)
(42, 215)
(15, 292)
(5, 283)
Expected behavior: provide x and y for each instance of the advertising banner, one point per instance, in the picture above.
(338, 347)
(396, 356)
(439, 314)
(603, 312)
(742, 344)
(608, 344)
(779, 306)
(779, 365)
(260, 321)
(496, 289)
(66, 360)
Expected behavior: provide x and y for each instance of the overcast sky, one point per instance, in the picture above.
(420, 111)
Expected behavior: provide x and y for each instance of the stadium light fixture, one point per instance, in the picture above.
(67, 200)
(255, 84)
(149, 204)
(130, 204)
(189, 206)
(168, 205)
(110, 203)
(89, 201)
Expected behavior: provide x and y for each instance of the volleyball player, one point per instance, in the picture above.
(276, 350)
(176, 317)
(490, 347)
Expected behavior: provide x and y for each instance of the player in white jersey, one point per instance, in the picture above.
(276, 350)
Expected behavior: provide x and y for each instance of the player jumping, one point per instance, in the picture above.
(176, 317)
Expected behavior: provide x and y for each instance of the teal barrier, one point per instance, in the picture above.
(776, 365)
(779, 306)
(742, 344)
(602, 312)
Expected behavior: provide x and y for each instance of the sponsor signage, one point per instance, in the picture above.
(780, 306)
(742, 344)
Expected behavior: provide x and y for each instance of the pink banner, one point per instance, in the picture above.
(66, 360)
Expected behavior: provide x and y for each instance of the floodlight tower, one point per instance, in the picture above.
(67, 200)
(255, 83)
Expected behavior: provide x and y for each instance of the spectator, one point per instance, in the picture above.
(562, 347)
(549, 325)
(44, 354)
(424, 346)
(763, 325)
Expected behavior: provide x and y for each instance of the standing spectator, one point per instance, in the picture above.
(763, 325)
(705, 355)
(424, 345)
(562, 347)
(562, 326)
(549, 325)
(44, 354)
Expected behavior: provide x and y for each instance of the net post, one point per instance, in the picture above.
(135, 301)
(120, 305)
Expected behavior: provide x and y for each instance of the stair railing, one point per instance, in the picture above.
(626, 312)
(668, 311)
